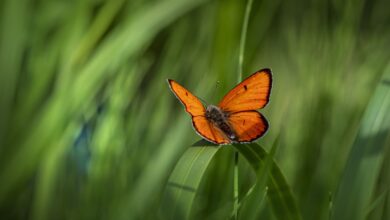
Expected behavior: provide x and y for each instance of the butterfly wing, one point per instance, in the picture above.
(251, 94)
(208, 131)
(241, 104)
(248, 125)
(191, 103)
(197, 111)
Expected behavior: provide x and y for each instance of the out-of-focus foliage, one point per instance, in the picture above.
(90, 130)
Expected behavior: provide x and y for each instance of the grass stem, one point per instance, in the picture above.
(244, 30)
(240, 64)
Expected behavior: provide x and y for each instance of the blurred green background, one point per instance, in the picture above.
(90, 130)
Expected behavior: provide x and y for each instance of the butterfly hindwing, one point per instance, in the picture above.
(248, 125)
(251, 94)
(208, 131)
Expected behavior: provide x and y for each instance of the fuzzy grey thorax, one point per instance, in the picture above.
(215, 114)
(219, 118)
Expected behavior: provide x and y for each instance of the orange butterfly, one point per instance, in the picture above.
(234, 119)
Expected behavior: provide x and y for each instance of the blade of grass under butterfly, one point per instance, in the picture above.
(380, 208)
(184, 182)
(375, 204)
(364, 163)
(279, 193)
(253, 203)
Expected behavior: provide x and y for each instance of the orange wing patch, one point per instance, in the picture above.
(251, 94)
(248, 125)
(208, 131)
(191, 103)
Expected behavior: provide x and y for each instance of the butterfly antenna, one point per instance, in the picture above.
(203, 101)
(217, 85)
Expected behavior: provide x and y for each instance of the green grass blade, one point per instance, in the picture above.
(253, 203)
(363, 166)
(184, 182)
(279, 193)
(235, 186)
(380, 207)
(243, 39)
(376, 203)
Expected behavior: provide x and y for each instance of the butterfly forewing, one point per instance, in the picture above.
(251, 94)
(191, 103)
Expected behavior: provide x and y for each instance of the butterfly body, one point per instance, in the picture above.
(219, 118)
(234, 119)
